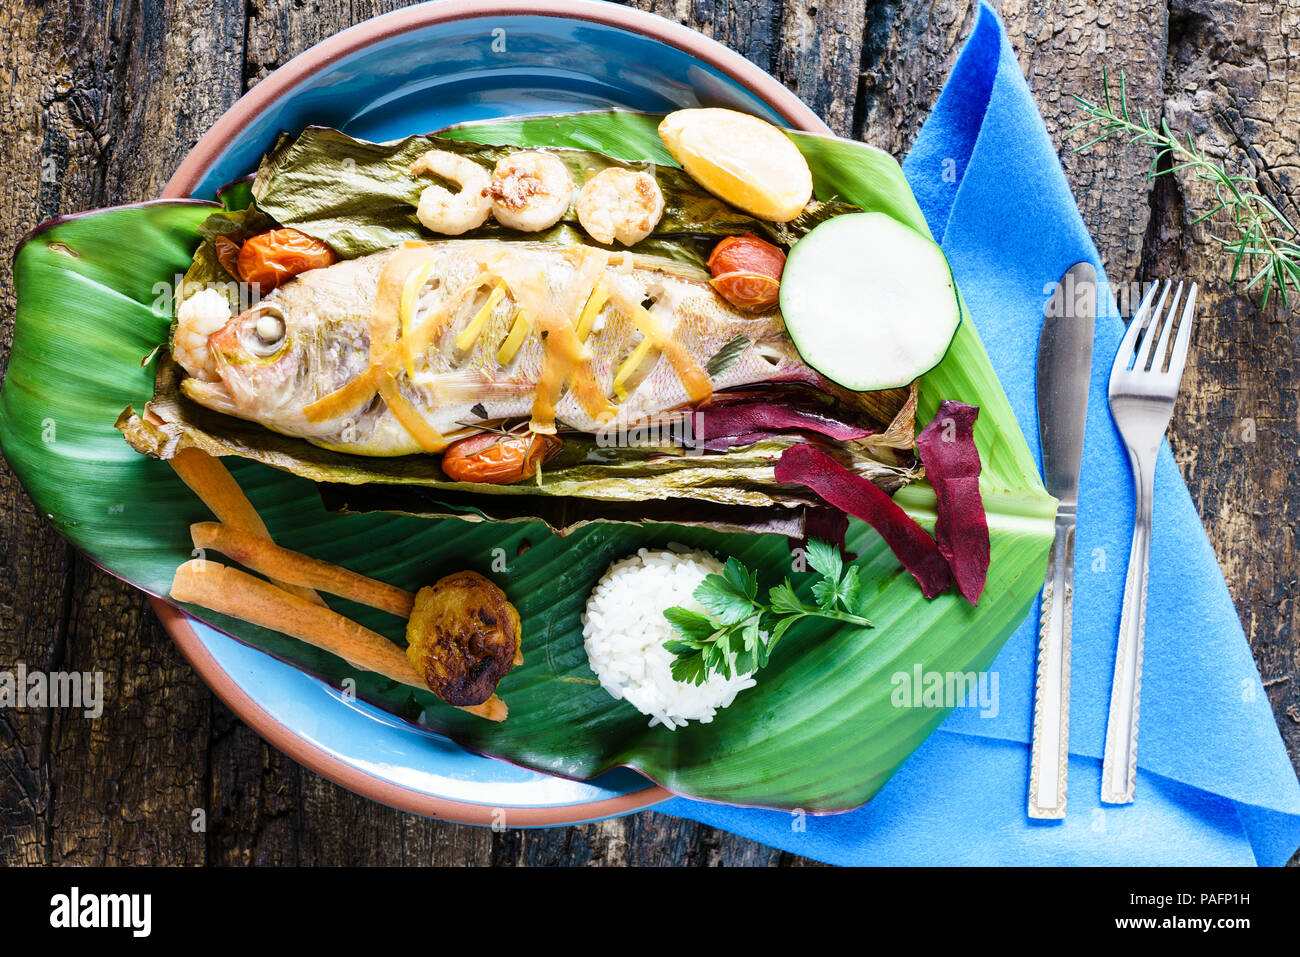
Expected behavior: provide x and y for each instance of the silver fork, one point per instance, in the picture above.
(1142, 396)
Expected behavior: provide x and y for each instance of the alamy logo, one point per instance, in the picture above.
(76, 909)
(946, 689)
(673, 429)
(57, 689)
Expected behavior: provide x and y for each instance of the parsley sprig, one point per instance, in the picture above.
(739, 632)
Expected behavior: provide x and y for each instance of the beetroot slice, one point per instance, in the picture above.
(826, 524)
(854, 495)
(724, 442)
(743, 419)
(952, 464)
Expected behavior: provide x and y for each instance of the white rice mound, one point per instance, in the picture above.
(624, 631)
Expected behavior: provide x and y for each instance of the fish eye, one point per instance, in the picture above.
(265, 334)
(270, 329)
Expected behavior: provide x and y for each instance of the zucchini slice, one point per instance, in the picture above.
(870, 303)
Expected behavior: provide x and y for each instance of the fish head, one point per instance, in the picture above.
(258, 362)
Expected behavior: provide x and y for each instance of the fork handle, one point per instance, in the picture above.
(1119, 761)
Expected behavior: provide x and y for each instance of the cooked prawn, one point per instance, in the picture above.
(530, 191)
(620, 205)
(444, 211)
(197, 318)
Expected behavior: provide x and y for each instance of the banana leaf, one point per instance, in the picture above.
(584, 469)
(820, 731)
(360, 197)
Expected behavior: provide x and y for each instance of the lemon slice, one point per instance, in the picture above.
(741, 159)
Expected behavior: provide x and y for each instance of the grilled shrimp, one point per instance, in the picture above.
(197, 318)
(620, 204)
(444, 211)
(530, 191)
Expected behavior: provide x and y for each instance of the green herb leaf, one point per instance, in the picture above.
(825, 558)
(727, 356)
(851, 590)
(693, 626)
(729, 596)
(743, 579)
(1263, 235)
(739, 632)
(689, 669)
(827, 593)
(784, 601)
(780, 629)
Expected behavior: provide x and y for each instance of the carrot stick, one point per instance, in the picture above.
(212, 482)
(282, 565)
(240, 595)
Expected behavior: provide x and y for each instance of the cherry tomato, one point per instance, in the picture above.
(496, 459)
(228, 254)
(747, 272)
(748, 291)
(272, 258)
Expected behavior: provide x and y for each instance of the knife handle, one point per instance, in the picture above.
(1119, 760)
(1050, 749)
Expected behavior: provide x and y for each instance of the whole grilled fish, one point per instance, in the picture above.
(408, 349)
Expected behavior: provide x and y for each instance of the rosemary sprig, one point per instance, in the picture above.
(1262, 239)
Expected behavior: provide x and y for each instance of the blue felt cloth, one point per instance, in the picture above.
(1215, 785)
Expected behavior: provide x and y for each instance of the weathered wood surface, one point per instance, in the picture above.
(101, 100)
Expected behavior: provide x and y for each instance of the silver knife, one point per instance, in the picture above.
(1064, 367)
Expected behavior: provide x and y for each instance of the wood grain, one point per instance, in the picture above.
(101, 101)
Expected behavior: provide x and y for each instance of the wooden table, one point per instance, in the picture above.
(100, 103)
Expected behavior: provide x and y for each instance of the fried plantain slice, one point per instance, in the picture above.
(462, 637)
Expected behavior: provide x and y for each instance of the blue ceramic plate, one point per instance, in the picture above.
(416, 71)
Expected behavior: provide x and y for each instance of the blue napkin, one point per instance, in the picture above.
(1215, 785)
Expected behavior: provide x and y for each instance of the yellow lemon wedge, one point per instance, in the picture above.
(741, 159)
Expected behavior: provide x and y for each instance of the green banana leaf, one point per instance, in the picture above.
(820, 731)
(583, 469)
(360, 197)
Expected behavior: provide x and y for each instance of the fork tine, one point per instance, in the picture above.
(1160, 318)
(1166, 331)
(1179, 358)
(1128, 344)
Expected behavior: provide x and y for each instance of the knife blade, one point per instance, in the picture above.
(1064, 369)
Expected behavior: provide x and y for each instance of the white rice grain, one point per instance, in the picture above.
(624, 630)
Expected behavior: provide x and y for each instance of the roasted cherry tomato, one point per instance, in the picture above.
(748, 291)
(272, 258)
(747, 272)
(497, 459)
(228, 254)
